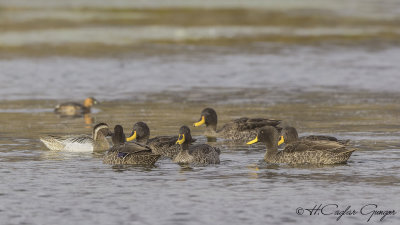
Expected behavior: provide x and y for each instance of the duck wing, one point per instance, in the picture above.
(75, 104)
(245, 129)
(130, 148)
(305, 145)
(68, 142)
(62, 107)
(81, 139)
(165, 145)
(324, 138)
(203, 149)
(130, 153)
(205, 154)
(162, 141)
(245, 123)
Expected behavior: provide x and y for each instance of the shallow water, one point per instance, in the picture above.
(323, 67)
(41, 187)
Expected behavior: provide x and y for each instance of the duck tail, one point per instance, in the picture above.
(46, 140)
(51, 142)
(346, 153)
(350, 150)
(344, 142)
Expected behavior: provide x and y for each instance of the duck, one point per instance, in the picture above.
(163, 145)
(238, 130)
(128, 153)
(200, 154)
(301, 152)
(289, 135)
(74, 108)
(80, 143)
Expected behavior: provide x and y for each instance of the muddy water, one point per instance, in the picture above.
(41, 187)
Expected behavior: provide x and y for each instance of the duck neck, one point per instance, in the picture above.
(100, 142)
(211, 130)
(184, 147)
(272, 150)
(291, 138)
(142, 140)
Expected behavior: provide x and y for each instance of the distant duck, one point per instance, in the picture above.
(239, 130)
(128, 153)
(75, 109)
(80, 143)
(201, 154)
(302, 152)
(163, 145)
(289, 135)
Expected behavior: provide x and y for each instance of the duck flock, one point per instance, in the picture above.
(139, 149)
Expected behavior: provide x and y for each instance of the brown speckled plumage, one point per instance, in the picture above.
(118, 156)
(290, 135)
(128, 153)
(162, 145)
(303, 152)
(311, 153)
(201, 154)
(238, 130)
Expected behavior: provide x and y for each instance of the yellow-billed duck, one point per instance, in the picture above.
(301, 152)
(80, 143)
(238, 130)
(74, 108)
(201, 154)
(163, 145)
(290, 135)
(128, 153)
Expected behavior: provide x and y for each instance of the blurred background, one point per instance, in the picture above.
(99, 27)
(87, 45)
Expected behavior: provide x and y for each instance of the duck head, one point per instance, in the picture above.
(140, 132)
(289, 135)
(267, 135)
(118, 137)
(208, 117)
(101, 129)
(89, 102)
(184, 136)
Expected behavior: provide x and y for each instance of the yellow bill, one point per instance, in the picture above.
(181, 139)
(201, 122)
(281, 141)
(253, 141)
(131, 138)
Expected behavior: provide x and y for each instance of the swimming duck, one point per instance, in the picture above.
(196, 154)
(128, 153)
(301, 152)
(80, 143)
(240, 130)
(75, 109)
(290, 135)
(163, 145)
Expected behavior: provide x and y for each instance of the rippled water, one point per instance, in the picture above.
(42, 187)
(323, 67)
